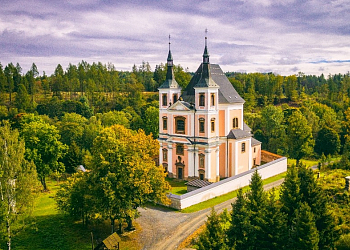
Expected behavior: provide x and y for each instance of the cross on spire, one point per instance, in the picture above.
(206, 34)
(169, 42)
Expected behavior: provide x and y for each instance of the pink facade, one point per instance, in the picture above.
(201, 129)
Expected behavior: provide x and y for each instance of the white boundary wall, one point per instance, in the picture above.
(227, 185)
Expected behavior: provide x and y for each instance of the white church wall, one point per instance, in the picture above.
(227, 185)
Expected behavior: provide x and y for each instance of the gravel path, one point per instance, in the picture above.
(164, 228)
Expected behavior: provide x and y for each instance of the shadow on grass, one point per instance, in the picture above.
(57, 231)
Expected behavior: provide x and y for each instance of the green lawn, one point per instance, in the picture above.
(225, 197)
(48, 228)
(178, 187)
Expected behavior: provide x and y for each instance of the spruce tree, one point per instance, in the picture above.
(275, 230)
(312, 194)
(304, 234)
(257, 206)
(239, 231)
(214, 236)
(290, 196)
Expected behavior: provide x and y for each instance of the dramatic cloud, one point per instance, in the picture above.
(284, 37)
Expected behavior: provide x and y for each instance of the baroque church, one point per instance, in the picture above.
(201, 129)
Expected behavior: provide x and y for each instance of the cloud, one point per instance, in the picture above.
(247, 35)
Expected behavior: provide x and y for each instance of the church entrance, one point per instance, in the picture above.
(180, 173)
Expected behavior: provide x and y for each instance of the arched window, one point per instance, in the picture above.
(164, 100)
(212, 122)
(174, 98)
(212, 99)
(180, 149)
(201, 125)
(165, 154)
(201, 174)
(235, 122)
(201, 100)
(165, 123)
(180, 125)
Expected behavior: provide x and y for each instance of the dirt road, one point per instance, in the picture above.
(165, 229)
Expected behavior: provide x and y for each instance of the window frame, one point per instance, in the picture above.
(177, 120)
(201, 160)
(212, 99)
(235, 123)
(175, 98)
(243, 147)
(212, 125)
(201, 125)
(164, 99)
(201, 100)
(165, 123)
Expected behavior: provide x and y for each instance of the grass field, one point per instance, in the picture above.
(48, 228)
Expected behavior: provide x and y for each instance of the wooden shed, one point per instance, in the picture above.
(111, 243)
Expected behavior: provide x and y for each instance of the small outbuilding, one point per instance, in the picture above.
(197, 183)
(110, 243)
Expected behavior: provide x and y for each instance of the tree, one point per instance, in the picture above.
(272, 126)
(44, 148)
(299, 136)
(17, 179)
(327, 141)
(238, 233)
(151, 121)
(22, 101)
(304, 234)
(214, 235)
(123, 174)
(257, 206)
(313, 195)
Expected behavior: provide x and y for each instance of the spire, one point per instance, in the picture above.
(206, 79)
(170, 57)
(206, 54)
(170, 81)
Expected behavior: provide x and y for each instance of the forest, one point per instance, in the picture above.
(80, 115)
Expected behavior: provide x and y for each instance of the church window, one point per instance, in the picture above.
(254, 149)
(164, 100)
(179, 149)
(165, 154)
(212, 99)
(212, 125)
(180, 125)
(201, 100)
(165, 166)
(175, 98)
(165, 123)
(201, 125)
(201, 160)
(235, 122)
(243, 147)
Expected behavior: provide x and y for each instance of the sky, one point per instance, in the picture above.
(284, 37)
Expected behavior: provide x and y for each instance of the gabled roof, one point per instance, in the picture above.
(246, 127)
(181, 105)
(227, 93)
(238, 134)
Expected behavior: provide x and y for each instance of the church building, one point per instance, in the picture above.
(201, 129)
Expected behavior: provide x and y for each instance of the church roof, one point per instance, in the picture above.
(238, 134)
(227, 93)
(255, 142)
(246, 127)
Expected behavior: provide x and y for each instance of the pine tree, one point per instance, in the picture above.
(239, 231)
(290, 194)
(304, 234)
(213, 237)
(257, 206)
(275, 230)
(312, 194)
